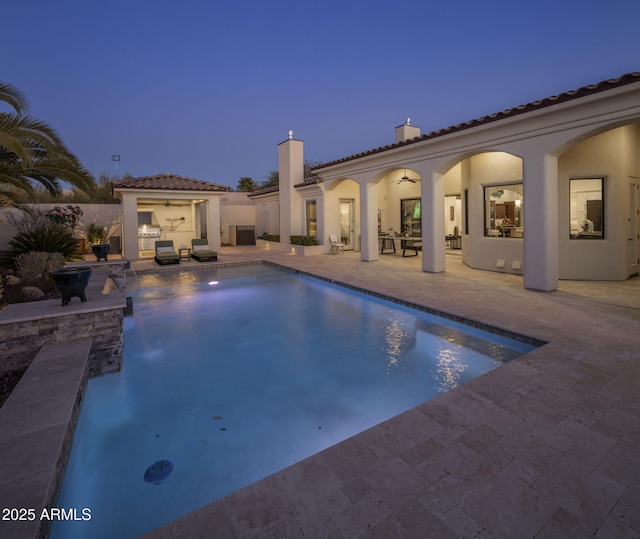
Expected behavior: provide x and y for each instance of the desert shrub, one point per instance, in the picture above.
(304, 240)
(48, 239)
(28, 218)
(32, 268)
(65, 216)
(56, 261)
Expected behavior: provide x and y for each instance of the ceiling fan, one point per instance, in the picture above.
(168, 204)
(406, 178)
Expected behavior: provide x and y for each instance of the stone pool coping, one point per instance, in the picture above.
(61, 346)
(37, 424)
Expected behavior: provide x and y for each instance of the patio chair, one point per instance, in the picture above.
(412, 245)
(165, 253)
(201, 252)
(336, 246)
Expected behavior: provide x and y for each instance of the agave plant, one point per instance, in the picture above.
(48, 239)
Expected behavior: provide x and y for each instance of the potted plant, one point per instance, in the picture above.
(96, 238)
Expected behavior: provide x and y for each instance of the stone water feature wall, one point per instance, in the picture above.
(21, 341)
(26, 327)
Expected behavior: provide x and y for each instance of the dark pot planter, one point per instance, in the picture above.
(101, 251)
(71, 282)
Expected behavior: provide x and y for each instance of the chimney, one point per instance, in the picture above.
(291, 172)
(406, 131)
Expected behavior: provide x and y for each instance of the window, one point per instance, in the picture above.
(312, 219)
(144, 217)
(504, 211)
(586, 209)
(411, 217)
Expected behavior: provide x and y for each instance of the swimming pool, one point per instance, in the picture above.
(233, 373)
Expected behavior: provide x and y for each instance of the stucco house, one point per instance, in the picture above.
(549, 190)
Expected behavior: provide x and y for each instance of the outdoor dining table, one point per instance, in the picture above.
(388, 243)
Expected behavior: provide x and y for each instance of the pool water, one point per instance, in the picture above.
(223, 384)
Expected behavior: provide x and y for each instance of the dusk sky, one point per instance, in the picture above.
(207, 89)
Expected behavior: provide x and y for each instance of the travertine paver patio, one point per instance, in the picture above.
(546, 446)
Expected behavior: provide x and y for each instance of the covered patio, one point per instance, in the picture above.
(168, 207)
(524, 187)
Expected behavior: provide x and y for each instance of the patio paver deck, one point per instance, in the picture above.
(546, 446)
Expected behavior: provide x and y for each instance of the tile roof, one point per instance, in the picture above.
(310, 180)
(264, 191)
(170, 182)
(591, 89)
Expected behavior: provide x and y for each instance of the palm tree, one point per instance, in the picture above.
(246, 185)
(31, 152)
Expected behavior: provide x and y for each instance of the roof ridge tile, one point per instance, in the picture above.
(170, 182)
(627, 78)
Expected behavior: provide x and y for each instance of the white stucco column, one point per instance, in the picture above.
(540, 209)
(291, 172)
(432, 211)
(130, 226)
(368, 221)
(213, 223)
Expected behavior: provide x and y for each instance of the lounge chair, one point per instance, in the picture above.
(336, 246)
(165, 253)
(201, 252)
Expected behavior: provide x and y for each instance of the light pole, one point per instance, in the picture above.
(116, 158)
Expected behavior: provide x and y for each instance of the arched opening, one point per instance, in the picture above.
(598, 204)
(399, 205)
(342, 212)
(484, 210)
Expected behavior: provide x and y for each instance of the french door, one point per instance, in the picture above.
(347, 223)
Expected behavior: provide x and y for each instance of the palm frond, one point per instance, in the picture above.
(12, 180)
(10, 136)
(30, 130)
(14, 97)
(32, 152)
